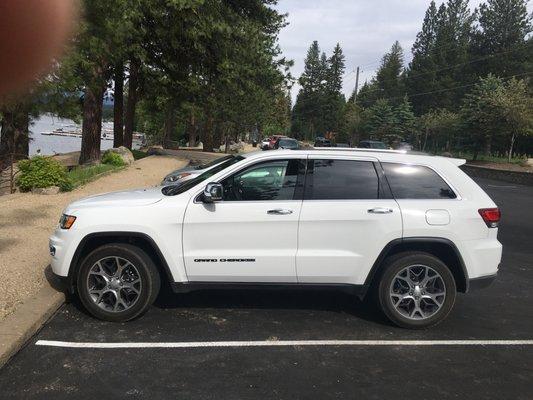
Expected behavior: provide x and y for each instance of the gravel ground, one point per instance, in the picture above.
(27, 220)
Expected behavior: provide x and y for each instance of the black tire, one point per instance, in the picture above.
(147, 272)
(397, 263)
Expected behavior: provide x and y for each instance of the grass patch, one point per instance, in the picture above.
(138, 154)
(82, 175)
(494, 159)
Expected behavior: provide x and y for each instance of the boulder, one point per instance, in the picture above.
(529, 162)
(155, 151)
(124, 153)
(47, 191)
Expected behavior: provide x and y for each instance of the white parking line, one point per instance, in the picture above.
(277, 343)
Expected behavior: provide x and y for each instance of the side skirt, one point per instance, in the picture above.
(186, 287)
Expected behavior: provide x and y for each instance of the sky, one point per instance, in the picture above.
(365, 29)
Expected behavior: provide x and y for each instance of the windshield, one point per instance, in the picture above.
(287, 143)
(178, 189)
(214, 162)
(378, 145)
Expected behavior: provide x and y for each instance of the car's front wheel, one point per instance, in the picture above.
(416, 290)
(117, 282)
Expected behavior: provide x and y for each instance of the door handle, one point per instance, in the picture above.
(279, 211)
(380, 210)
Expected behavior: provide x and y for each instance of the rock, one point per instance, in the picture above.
(155, 151)
(124, 153)
(47, 191)
(529, 162)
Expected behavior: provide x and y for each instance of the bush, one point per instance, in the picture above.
(112, 159)
(138, 154)
(42, 172)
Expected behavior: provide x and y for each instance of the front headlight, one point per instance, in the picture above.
(66, 221)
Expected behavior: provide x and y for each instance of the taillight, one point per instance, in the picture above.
(491, 216)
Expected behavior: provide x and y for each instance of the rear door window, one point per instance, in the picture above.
(332, 179)
(416, 182)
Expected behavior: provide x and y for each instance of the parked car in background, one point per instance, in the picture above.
(264, 143)
(286, 143)
(273, 141)
(322, 142)
(372, 144)
(191, 171)
(343, 145)
(404, 146)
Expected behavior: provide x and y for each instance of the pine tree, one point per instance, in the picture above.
(501, 39)
(334, 97)
(380, 121)
(405, 120)
(309, 116)
(389, 78)
(421, 73)
(454, 27)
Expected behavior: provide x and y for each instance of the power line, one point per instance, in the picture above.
(434, 91)
(453, 88)
(453, 66)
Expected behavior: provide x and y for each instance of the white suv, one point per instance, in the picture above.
(413, 229)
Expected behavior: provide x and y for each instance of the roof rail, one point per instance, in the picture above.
(360, 149)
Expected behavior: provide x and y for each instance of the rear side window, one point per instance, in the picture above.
(341, 180)
(416, 182)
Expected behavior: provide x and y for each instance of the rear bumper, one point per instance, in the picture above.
(482, 282)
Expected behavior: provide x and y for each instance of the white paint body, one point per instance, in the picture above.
(330, 241)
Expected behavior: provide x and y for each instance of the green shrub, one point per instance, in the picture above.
(112, 159)
(42, 172)
(138, 154)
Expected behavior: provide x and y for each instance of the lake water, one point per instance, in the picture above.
(50, 144)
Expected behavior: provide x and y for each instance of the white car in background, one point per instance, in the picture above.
(265, 144)
(191, 171)
(412, 229)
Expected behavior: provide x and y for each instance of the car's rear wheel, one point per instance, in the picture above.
(117, 282)
(416, 290)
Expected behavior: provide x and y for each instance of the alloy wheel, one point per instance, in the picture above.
(417, 292)
(114, 284)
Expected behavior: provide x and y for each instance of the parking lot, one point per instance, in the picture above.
(179, 354)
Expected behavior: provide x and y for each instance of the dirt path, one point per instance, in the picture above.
(27, 220)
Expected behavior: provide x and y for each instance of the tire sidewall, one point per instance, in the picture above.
(145, 267)
(394, 266)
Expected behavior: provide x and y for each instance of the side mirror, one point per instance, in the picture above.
(213, 192)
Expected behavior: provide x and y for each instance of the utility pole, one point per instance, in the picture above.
(356, 85)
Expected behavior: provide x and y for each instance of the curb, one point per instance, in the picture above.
(16, 329)
(521, 178)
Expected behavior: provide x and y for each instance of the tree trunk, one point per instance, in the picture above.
(426, 134)
(131, 104)
(14, 138)
(192, 130)
(118, 107)
(217, 135)
(513, 137)
(208, 134)
(169, 126)
(92, 124)
(488, 146)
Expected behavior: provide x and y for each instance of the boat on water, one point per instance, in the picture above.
(107, 134)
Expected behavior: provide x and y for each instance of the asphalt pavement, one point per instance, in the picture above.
(431, 371)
